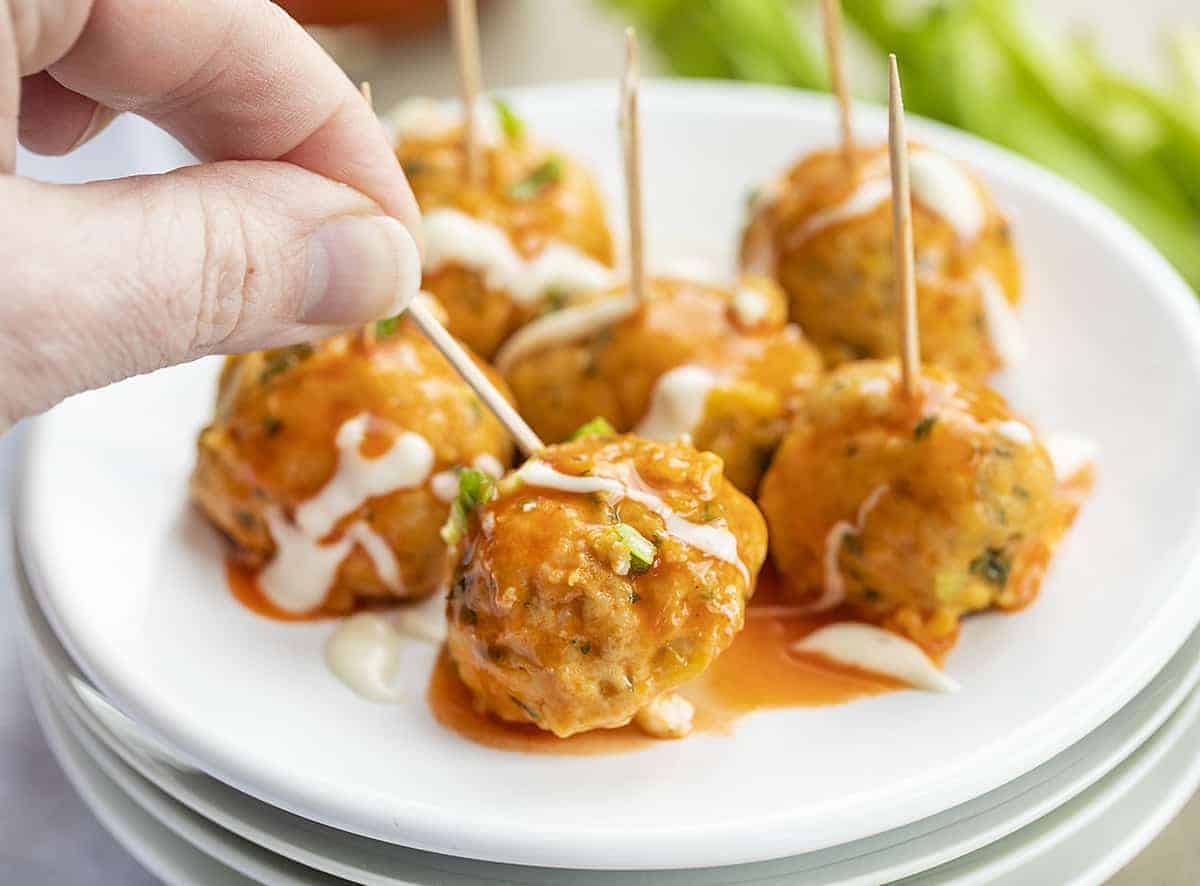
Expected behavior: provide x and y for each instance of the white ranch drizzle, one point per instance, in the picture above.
(455, 237)
(489, 464)
(668, 716)
(677, 403)
(1014, 431)
(882, 652)
(300, 573)
(382, 557)
(834, 591)
(1003, 328)
(945, 189)
(1071, 453)
(444, 485)
(426, 118)
(750, 306)
(404, 465)
(364, 653)
(870, 194)
(560, 327)
(302, 570)
(716, 541)
(939, 184)
(424, 621)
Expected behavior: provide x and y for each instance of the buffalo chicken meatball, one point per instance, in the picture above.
(723, 366)
(530, 235)
(606, 572)
(826, 236)
(331, 466)
(911, 512)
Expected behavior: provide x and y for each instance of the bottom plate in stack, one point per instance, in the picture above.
(1083, 842)
(1114, 789)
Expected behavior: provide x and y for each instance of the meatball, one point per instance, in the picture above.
(911, 512)
(531, 234)
(328, 465)
(723, 366)
(608, 571)
(827, 238)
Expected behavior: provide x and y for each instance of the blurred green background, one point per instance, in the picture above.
(986, 66)
(1021, 73)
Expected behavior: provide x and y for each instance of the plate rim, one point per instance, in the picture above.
(1022, 749)
(57, 670)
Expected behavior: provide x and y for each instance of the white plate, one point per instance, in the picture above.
(174, 860)
(1089, 839)
(133, 579)
(1081, 843)
(878, 859)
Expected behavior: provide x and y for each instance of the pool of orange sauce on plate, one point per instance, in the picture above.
(453, 707)
(243, 584)
(757, 671)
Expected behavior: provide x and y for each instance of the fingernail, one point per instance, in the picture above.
(360, 268)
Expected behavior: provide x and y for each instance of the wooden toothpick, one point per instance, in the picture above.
(832, 15)
(466, 49)
(902, 237)
(458, 357)
(367, 334)
(631, 143)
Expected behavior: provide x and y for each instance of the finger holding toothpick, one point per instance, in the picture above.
(631, 149)
(902, 235)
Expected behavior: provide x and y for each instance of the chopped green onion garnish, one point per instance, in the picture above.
(641, 550)
(540, 176)
(554, 299)
(511, 125)
(284, 359)
(597, 427)
(992, 566)
(924, 427)
(386, 326)
(474, 488)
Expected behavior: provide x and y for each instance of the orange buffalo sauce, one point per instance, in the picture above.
(243, 584)
(454, 708)
(757, 671)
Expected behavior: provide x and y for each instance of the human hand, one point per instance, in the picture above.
(297, 224)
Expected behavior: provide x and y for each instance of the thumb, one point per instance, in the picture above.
(111, 279)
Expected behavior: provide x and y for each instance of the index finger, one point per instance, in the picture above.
(235, 80)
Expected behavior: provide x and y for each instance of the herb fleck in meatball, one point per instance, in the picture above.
(606, 572)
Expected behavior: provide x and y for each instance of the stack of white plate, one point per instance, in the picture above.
(216, 746)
